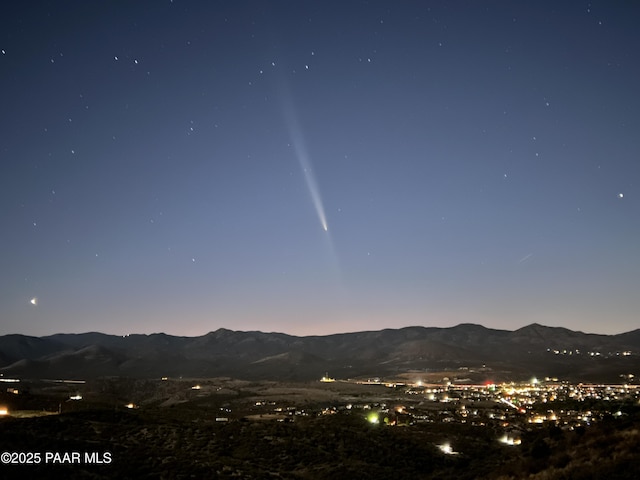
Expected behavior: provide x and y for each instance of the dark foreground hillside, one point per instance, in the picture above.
(179, 443)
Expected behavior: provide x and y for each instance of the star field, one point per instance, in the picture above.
(318, 167)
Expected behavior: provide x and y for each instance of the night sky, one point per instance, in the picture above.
(318, 167)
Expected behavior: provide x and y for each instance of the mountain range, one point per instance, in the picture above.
(472, 353)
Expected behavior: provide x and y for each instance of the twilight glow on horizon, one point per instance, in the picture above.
(317, 167)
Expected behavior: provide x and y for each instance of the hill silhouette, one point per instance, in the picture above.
(480, 352)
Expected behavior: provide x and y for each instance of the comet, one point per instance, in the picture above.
(310, 179)
(304, 160)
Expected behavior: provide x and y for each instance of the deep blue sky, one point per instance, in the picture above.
(475, 162)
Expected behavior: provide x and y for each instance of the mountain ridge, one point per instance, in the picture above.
(512, 355)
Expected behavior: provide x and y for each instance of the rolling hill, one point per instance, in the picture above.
(477, 352)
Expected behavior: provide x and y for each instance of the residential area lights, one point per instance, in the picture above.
(511, 407)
